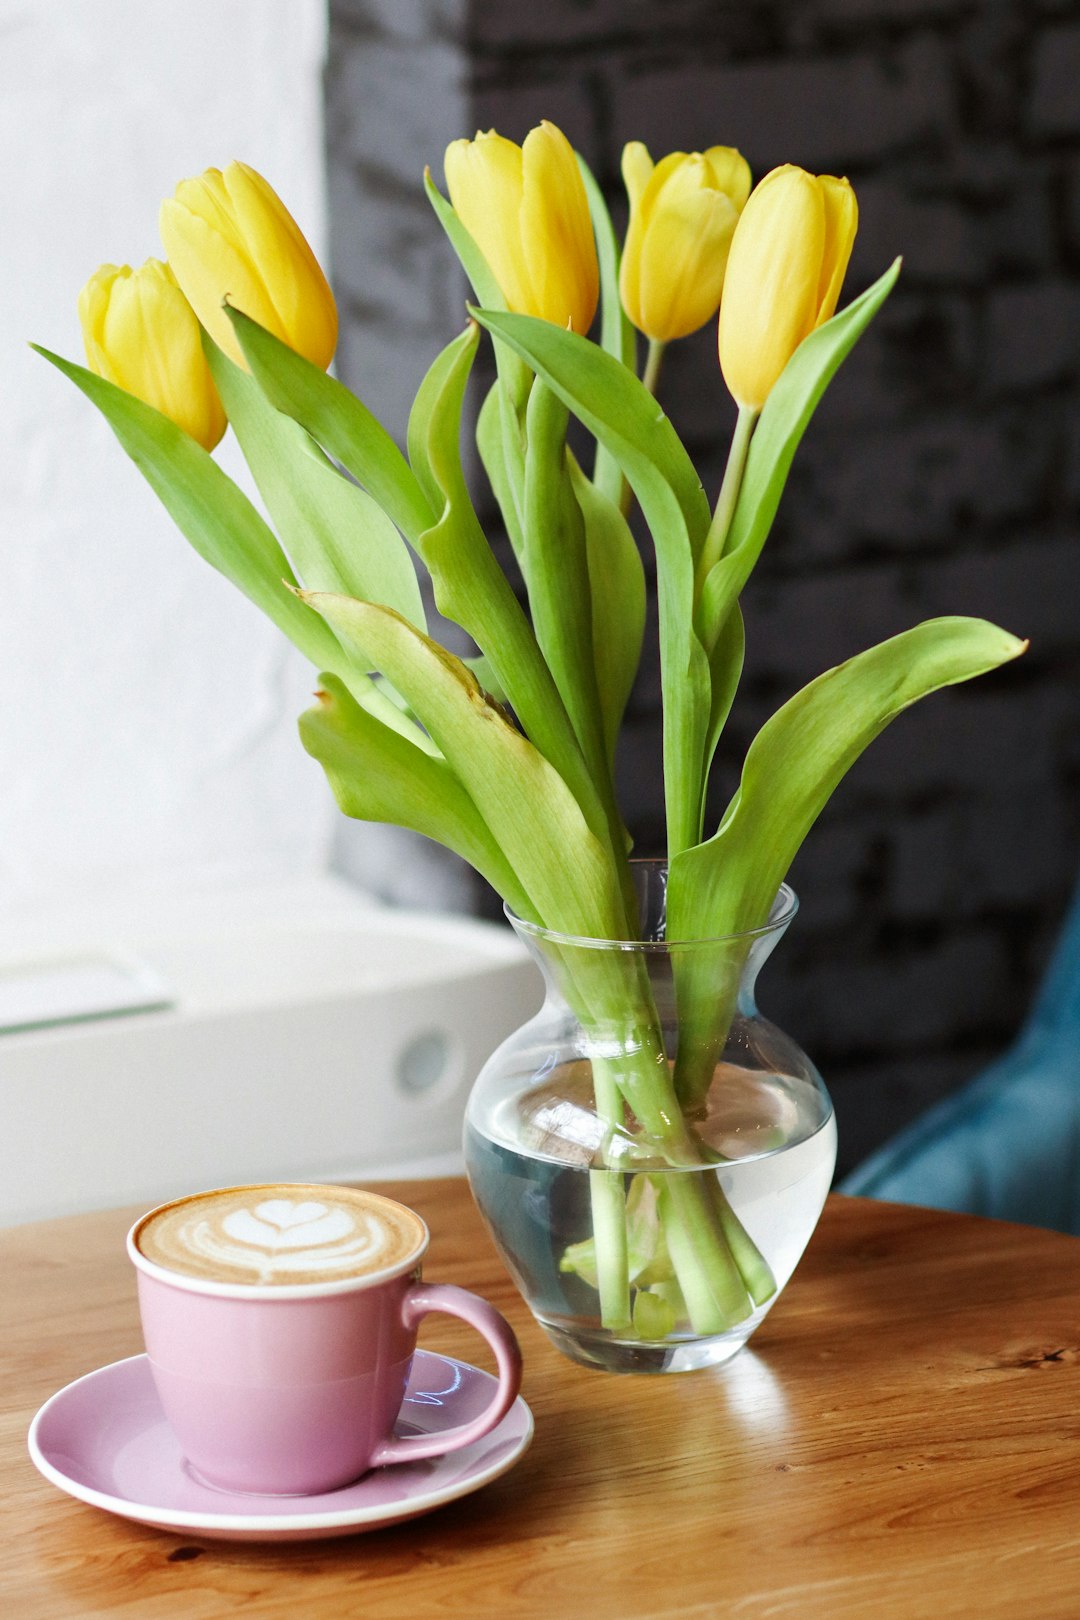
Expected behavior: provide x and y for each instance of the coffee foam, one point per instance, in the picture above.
(281, 1235)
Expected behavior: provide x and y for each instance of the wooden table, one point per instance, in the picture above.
(902, 1439)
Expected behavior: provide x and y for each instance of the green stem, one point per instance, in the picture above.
(608, 1202)
(715, 1294)
(753, 1267)
(727, 499)
(650, 378)
(611, 995)
(617, 999)
(707, 998)
(612, 1261)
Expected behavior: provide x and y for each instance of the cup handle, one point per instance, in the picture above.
(422, 1298)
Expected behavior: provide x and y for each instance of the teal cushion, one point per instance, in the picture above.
(1008, 1143)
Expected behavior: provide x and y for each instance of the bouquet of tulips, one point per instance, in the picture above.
(507, 757)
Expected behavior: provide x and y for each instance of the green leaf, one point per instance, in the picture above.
(532, 814)
(435, 455)
(210, 511)
(727, 885)
(783, 421)
(337, 537)
(376, 775)
(623, 415)
(470, 587)
(726, 666)
(654, 1317)
(647, 1256)
(617, 410)
(616, 332)
(500, 452)
(481, 668)
(617, 592)
(337, 420)
(556, 567)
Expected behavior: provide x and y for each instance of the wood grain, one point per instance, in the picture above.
(901, 1440)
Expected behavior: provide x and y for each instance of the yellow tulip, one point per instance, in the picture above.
(683, 212)
(140, 332)
(785, 270)
(525, 208)
(228, 235)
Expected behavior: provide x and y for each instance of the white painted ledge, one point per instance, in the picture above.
(311, 1034)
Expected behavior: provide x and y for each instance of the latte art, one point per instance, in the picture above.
(281, 1234)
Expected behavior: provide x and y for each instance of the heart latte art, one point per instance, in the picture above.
(281, 1235)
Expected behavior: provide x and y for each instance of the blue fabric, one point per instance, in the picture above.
(1008, 1143)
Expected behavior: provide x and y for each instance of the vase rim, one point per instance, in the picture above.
(781, 912)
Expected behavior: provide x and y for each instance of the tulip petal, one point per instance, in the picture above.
(141, 334)
(683, 213)
(688, 237)
(291, 274)
(209, 271)
(94, 299)
(205, 195)
(730, 172)
(771, 292)
(181, 383)
(841, 223)
(479, 272)
(637, 166)
(556, 230)
(229, 237)
(93, 306)
(484, 179)
(642, 187)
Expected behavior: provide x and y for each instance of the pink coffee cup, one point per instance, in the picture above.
(294, 1389)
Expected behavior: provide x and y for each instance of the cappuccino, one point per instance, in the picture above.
(281, 1235)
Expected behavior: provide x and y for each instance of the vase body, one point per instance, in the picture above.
(649, 1153)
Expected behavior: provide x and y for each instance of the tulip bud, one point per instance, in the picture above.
(140, 332)
(683, 213)
(787, 263)
(526, 209)
(228, 236)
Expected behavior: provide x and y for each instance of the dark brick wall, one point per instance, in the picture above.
(941, 474)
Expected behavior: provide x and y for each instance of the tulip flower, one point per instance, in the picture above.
(683, 213)
(228, 236)
(787, 262)
(526, 209)
(141, 333)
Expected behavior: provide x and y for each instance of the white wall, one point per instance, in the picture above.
(147, 711)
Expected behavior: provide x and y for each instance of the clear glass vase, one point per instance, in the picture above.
(649, 1153)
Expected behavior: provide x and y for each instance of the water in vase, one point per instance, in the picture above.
(774, 1142)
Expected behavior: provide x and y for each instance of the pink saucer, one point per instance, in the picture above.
(104, 1439)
